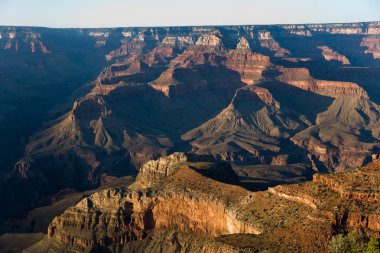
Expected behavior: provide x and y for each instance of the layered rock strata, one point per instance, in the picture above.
(373, 46)
(176, 199)
(173, 198)
(331, 55)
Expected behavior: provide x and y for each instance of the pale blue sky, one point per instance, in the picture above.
(118, 13)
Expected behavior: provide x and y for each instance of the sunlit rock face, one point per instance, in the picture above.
(250, 65)
(371, 28)
(193, 200)
(267, 41)
(373, 46)
(156, 201)
(25, 40)
(331, 55)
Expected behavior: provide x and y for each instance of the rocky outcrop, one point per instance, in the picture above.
(334, 89)
(353, 208)
(373, 46)
(22, 39)
(299, 30)
(331, 146)
(249, 65)
(100, 218)
(360, 184)
(123, 72)
(128, 47)
(253, 121)
(154, 171)
(301, 78)
(22, 167)
(180, 41)
(120, 216)
(371, 28)
(300, 198)
(195, 210)
(208, 40)
(328, 145)
(165, 81)
(267, 41)
(331, 55)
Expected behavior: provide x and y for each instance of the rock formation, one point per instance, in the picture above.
(350, 104)
(173, 197)
(184, 198)
(373, 45)
(331, 55)
(253, 122)
(25, 40)
(249, 65)
(371, 28)
(267, 41)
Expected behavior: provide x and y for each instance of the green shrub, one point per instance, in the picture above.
(350, 243)
(373, 246)
(339, 243)
(358, 243)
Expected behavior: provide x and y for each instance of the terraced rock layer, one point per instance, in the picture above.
(177, 196)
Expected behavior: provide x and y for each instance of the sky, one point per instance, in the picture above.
(127, 13)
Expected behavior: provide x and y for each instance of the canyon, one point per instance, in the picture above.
(137, 126)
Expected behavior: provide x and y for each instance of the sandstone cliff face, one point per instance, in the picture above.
(373, 46)
(299, 30)
(100, 219)
(355, 28)
(135, 45)
(22, 39)
(154, 171)
(249, 65)
(301, 78)
(120, 216)
(331, 55)
(208, 40)
(101, 37)
(349, 201)
(188, 211)
(267, 41)
(327, 143)
(330, 146)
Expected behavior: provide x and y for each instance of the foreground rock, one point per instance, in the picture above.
(179, 204)
(182, 196)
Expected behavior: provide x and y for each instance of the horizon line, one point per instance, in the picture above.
(176, 26)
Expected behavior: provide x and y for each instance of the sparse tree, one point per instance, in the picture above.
(339, 244)
(350, 243)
